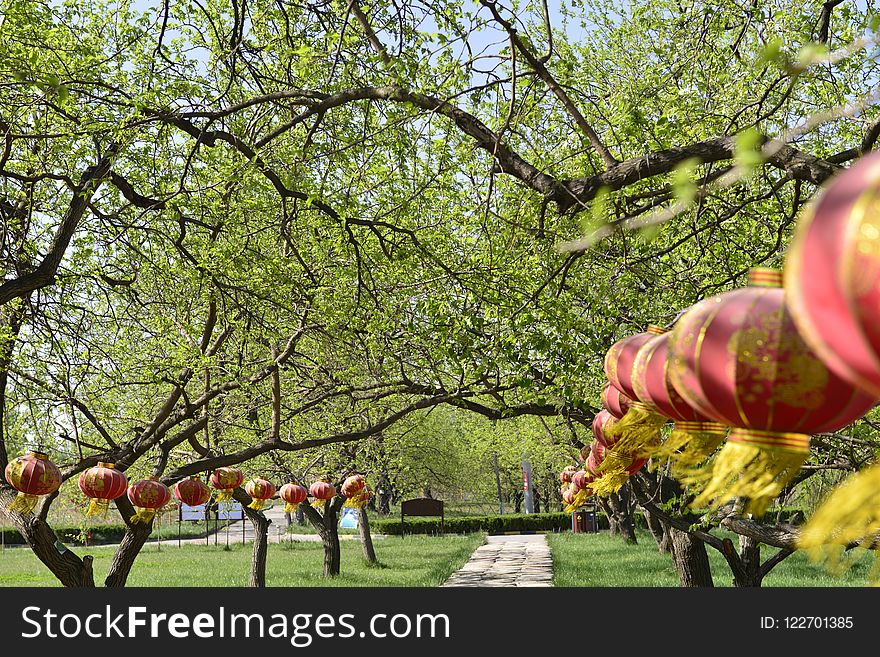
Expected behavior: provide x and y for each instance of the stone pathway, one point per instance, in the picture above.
(510, 560)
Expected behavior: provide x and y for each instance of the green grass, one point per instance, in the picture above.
(604, 561)
(404, 561)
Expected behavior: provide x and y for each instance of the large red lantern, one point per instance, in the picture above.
(102, 483)
(192, 491)
(322, 491)
(694, 437)
(148, 495)
(832, 286)
(260, 490)
(614, 401)
(638, 431)
(738, 359)
(595, 458)
(32, 475)
(293, 494)
(226, 480)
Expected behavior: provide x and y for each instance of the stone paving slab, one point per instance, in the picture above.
(510, 560)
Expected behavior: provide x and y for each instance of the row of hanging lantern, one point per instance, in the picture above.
(33, 475)
(764, 367)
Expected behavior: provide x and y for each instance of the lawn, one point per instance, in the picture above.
(404, 561)
(604, 561)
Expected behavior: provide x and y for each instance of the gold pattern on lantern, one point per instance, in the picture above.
(864, 276)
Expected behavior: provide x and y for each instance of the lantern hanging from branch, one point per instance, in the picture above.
(567, 472)
(832, 285)
(32, 475)
(738, 359)
(581, 485)
(102, 483)
(322, 490)
(226, 480)
(293, 495)
(639, 430)
(260, 490)
(614, 401)
(192, 491)
(148, 495)
(694, 437)
(351, 489)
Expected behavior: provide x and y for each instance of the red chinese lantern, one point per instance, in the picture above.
(694, 436)
(738, 359)
(568, 498)
(192, 491)
(565, 475)
(602, 424)
(614, 401)
(148, 495)
(293, 494)
(353, 488)
(594, 460)
(353, 485)
(102, 483)
(639, 430)
(322, 490)
(226, 480)
(32, 475)
(832, 286)
(260, 490)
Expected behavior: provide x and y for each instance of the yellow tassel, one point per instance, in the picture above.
(614, 463)
(24, 503)
(257, 505)
(849, 515)
(144, 516)
(318, 504)
(290, 508)
(224, 495)
(582, 496)
(689, 445)
(609, 483)
(98, 506)
(756, 465)
(638, 432)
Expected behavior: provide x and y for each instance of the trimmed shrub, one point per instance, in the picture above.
(514, 522)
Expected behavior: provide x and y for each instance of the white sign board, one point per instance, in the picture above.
(349, 518)
(188, 512)
(229, 511)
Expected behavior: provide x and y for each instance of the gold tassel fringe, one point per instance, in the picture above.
(257, 505)
(318, 504)
(224, 495)
(747, 470)
(290, 508)
(24, 503)
(98, 506)
(614, 463)
(638, 431)
(849, 515)
(144, 516)
(610, 483)
(689, 446)
(578, 501)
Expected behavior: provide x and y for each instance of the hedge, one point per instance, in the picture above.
(98, 534)
(512, 522)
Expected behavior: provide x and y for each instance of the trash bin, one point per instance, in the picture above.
(590, 521)
(579, 522)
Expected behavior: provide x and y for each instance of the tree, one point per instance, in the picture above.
(231, 232)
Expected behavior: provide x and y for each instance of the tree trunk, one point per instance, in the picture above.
(64, 564)
(260, 524)
(606, 509)
(619, 503)
(325, 525)
(749, 575)
(690, 559)
(384, 496)
(659, 531)
(366, 539)
(136, 534)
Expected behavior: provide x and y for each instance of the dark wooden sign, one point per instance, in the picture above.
(422, 506)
